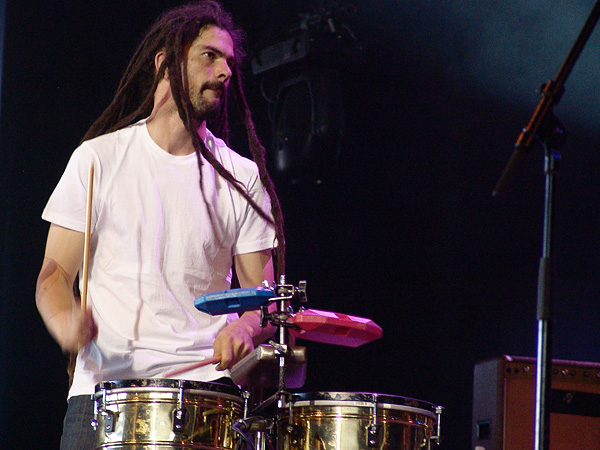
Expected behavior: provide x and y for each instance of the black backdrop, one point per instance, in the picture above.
(405, 232)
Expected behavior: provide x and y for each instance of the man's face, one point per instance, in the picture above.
(210, 62)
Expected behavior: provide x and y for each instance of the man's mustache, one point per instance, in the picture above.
(214, 86)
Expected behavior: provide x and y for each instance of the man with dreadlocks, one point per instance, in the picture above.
(172, 209)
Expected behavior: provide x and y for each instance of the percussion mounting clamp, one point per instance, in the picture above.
(373, 429)
(284, 293)
(373, 435)
(438, 432)
(279, 355)
(180, 413)
(108, 416)
(294, 432)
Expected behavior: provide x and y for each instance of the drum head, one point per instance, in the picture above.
(209, 388)
(168, 383)
(364, 399)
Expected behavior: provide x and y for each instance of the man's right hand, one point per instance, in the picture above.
(73, 329)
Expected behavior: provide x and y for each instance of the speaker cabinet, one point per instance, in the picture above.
(504, 405)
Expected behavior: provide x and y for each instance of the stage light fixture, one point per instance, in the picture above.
(306, 102)
(307, 126)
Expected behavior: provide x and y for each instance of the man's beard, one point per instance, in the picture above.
(203, 108)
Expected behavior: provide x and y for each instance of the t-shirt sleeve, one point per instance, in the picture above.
(68, 202)
(255, 233)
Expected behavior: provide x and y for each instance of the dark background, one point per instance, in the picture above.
(403, 231)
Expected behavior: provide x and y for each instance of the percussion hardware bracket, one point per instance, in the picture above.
(246, 396)
(293, 431)
(284, 294)
(373, 428)
(438, 432)
(179, 415)
(109, 416)
(94, 422)
(290, 429)
(252, 424)
(281, 398)
(290, 414)
(280, 349)
(289, 292)
(373, 435)
(282, 356)
(109, 421)
(276, 318)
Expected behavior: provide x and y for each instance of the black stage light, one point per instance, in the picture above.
(303, 68)
(308, 125)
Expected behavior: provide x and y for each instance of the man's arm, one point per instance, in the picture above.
(241, 336)
(68, 325)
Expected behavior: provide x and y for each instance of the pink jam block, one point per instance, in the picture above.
(334, 328)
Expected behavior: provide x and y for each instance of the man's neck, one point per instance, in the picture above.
(167, 130)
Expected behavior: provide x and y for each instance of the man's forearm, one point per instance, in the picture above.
(54, 299)
(261, 334)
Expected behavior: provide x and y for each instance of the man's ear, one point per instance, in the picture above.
(158, 60)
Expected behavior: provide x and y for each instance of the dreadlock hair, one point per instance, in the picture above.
(173, 33)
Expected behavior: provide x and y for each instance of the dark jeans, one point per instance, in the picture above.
(78, 433)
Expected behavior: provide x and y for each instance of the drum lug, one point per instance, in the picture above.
(373, 428)
(179, 420)
(180, 414)
(94, 422)
(108, 416)
(438, 432)
(373, 435)
(109, 421)
(293, 431)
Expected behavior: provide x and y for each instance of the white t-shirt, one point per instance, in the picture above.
(154, 251)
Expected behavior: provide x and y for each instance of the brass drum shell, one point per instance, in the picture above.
(341, 421)
(140, 414)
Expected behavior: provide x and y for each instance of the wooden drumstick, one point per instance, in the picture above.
(206, 362)
(86, 246)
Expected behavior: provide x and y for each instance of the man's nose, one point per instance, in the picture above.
(224, 72)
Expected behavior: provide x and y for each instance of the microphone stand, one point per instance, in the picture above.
(546, 128)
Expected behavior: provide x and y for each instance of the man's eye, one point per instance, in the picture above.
(209, 55)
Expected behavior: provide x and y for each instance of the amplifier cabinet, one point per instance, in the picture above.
(504, 404)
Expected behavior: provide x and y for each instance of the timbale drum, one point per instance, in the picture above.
(163, 414)
(356, 421)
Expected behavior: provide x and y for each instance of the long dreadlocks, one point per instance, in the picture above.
(173, 33)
